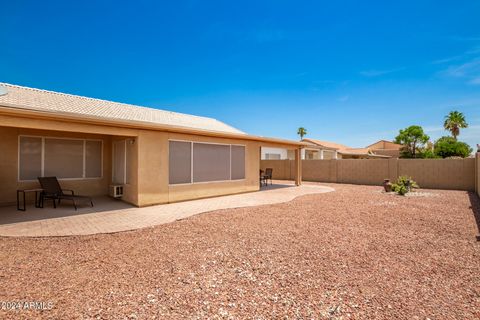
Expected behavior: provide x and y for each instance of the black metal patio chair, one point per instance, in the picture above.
(268, 175)
(261, 177)
(52, 190)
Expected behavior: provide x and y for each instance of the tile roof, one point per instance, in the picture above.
(55, 102)
(343, 149)
(326, 144)
(355, 151)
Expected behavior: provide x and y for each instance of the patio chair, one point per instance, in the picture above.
(52, 190)
(268, 175)
(263, 181)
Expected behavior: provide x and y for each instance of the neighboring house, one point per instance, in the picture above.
(386, 148)
(274, 154)
(325, 150)
(156, 156)
(318, 149)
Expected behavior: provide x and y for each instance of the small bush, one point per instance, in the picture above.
(429, 154)
(404, 185)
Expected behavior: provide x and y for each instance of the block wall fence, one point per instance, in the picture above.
(455, 174)
(477, 173)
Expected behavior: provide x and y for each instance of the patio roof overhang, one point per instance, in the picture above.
(19, 111)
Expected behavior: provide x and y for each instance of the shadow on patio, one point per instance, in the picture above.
(10, 214)
(275, 186)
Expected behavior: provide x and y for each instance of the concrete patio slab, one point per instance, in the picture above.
(110, 215)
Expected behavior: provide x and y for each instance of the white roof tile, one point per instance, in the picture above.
(49, 101)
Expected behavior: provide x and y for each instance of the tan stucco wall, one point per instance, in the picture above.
(130, 190)
(9, 165)
(378, 145)
(456, 174)
(385, 145)
(153, 170)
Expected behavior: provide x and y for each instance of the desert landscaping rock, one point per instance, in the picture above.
(414, 193)
(339, 255)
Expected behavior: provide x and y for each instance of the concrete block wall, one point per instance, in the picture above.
(457, 174)
(477, 173)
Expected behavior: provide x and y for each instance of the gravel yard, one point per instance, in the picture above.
(353, 253)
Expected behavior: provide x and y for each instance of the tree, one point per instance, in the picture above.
(449, 147)
(302, 132)
(427, 152)
(453, 122)
(413, 139)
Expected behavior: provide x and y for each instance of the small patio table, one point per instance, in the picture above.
(38, 193)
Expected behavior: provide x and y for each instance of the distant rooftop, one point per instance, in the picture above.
(343, 149)
(55, 102)
(326, 144)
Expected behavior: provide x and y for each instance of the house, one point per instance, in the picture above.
(274, 154)
(386, 148)
(156, 156)
(324, 150)
(318, 149)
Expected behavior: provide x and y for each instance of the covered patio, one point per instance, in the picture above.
(274, 172)
(85, 162)
(109, 215)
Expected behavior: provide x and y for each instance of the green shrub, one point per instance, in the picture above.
(428, 154)
(447, 147)
(404, 185)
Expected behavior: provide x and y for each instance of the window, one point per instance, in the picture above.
(30, 158)
(238, 162)
(272, 156)
(63, 158)
(193, 162)
(328, 154)
(312, 155)
(180, 157)
(211, 162)
(93, 159)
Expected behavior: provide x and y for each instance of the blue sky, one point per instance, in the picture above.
(351, 72)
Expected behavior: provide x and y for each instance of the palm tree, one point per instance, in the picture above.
(453, 122)
(302, 132)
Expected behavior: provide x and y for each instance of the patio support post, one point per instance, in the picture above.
(298, 166)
